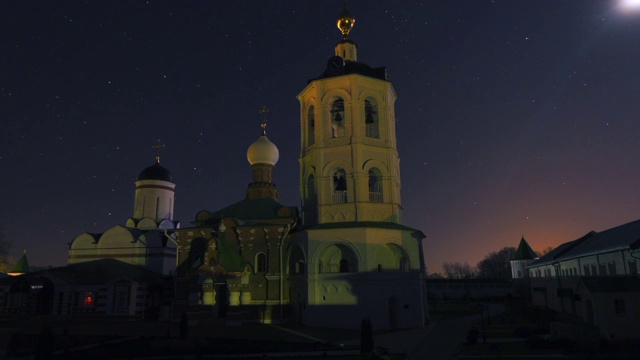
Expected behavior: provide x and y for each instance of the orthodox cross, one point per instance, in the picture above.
(263, 110)
(158, 145)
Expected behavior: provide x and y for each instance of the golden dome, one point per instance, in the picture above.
(345, 22)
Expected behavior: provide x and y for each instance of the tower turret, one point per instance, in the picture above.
(346, 48)
(155, 192)
(349, 161)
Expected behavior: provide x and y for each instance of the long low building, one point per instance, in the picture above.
(594, 278)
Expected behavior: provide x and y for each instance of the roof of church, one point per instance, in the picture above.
(251, 210)
(623, 237)
(22, 266)
(362, 224)
(156, 172)
(524, 251)
(353, 67)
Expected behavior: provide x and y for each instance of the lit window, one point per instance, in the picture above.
(87, 299)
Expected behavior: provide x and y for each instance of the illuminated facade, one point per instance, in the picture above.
(235, 256)
(353, 259)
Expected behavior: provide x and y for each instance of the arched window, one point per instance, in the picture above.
(339, 187)
(337, 258)
(375, 186)
(261, 262)
(337, 117)
(311, 202)
(300, 267)
(344, 266)
(311, 188)
(371, 118)
(404, 264)
(311, 126)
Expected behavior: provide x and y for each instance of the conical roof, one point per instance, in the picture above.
(524, 251)
(22, 266)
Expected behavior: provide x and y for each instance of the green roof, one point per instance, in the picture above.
(524, 251)
(22, 267)
(251, 210)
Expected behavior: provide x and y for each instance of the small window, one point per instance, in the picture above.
(371, 118)
(344, 266)
(375, 186)
(311, 125)
(404, 264)
(620, 307)
(261, 262)
(586, 270)
(633, 268)
(340, 187)
(612, 268)
(337, 118)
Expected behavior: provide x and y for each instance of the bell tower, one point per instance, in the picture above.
(349, 165)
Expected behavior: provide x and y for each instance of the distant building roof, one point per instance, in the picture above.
(623, 237)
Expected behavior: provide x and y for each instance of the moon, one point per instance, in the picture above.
(630, 4)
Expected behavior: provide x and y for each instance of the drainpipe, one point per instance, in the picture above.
(284, 235)
(557, 266)
(166, 233)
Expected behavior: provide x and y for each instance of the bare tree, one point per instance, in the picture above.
(458, 270)
(497, 265)
(6, 262)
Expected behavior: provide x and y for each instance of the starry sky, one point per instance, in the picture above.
(513, 117)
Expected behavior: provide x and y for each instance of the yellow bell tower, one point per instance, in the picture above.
(349, 165)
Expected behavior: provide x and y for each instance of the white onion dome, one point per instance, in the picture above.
(263, 151)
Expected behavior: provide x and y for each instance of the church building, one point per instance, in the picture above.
(346, 256)
(141, 241)
(343, 257)
(361, 262)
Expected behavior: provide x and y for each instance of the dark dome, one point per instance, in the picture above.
(156, 172)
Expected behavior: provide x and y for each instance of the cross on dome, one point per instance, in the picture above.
(158, 145)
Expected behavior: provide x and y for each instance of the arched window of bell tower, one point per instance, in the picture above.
(311, 126)
(311, 201)
(375, 185)
(339, 186)
(371, 118)
(336, 115)
(261, 262)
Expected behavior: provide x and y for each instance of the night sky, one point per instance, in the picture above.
(513, 117)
